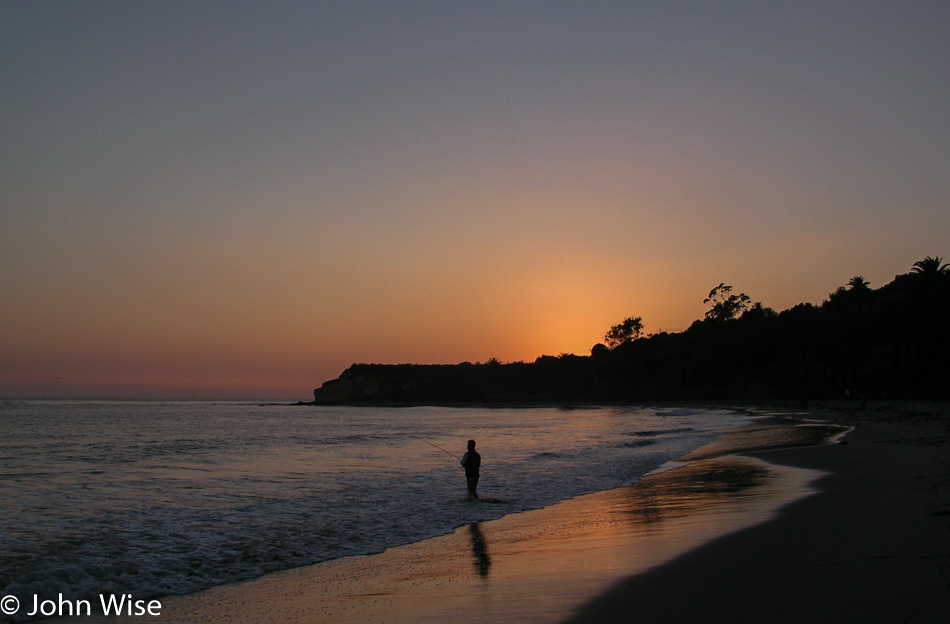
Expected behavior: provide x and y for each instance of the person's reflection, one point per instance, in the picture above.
(479, 550)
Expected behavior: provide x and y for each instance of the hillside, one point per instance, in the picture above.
(888, 342)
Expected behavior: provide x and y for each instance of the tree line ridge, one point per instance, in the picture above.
(890, 342)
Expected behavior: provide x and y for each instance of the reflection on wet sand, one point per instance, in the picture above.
(770, 433)
(697, 487)
(543, 563)
(479, 550)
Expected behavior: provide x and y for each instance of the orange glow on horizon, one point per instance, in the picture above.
(326, 190)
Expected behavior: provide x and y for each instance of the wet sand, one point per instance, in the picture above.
(872, 545)
(852, 532)
(537, 566)
(530, 567)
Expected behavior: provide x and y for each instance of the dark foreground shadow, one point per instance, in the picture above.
(479, 551)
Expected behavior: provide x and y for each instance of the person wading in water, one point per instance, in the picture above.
(471, 461)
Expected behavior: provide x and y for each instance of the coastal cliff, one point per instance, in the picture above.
(890, 342)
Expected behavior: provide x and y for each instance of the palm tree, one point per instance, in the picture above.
(927, 327)
(931, 266)
(858, 283)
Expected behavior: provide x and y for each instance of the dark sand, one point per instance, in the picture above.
(726, 538)
(873, 545)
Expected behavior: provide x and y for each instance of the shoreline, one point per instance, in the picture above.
(871, 545)
(536, 566)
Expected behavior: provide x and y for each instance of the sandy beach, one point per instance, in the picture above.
(855, 530)
(871, 545)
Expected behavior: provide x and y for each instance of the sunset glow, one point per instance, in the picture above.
(241, 199)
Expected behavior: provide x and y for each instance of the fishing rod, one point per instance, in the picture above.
(436, 446)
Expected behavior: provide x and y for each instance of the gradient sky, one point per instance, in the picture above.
(240, 199)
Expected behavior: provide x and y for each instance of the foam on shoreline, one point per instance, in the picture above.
(535, 566)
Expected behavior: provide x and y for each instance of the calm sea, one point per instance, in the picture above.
(155, 498)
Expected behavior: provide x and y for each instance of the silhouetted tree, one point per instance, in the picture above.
(726, 306)
(628, 331)
(859, 283)
(854, 297)
(924, 323)
(891, 341)
(931, 266)
(758, 311)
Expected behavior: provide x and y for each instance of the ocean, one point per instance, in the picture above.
(154, 498)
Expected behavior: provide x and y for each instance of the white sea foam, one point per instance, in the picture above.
(158, 498)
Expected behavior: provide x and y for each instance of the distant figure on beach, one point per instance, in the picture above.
(471, 461)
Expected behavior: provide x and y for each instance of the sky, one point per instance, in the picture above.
(241, 199)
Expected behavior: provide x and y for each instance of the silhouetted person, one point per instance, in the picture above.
(471, 461)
